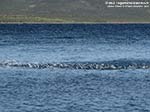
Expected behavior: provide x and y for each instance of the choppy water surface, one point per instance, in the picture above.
(77, 68)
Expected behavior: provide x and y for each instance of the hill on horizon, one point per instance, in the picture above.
(68, 10)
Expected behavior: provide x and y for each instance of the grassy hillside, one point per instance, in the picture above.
(68, 11)
(20, 18)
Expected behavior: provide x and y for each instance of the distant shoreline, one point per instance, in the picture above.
(19, 19)
(74, 22)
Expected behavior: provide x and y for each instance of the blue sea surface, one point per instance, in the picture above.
(75, 67)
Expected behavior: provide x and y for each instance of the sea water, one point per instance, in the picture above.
(74, 67)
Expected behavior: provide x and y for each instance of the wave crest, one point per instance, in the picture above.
(105, 65)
